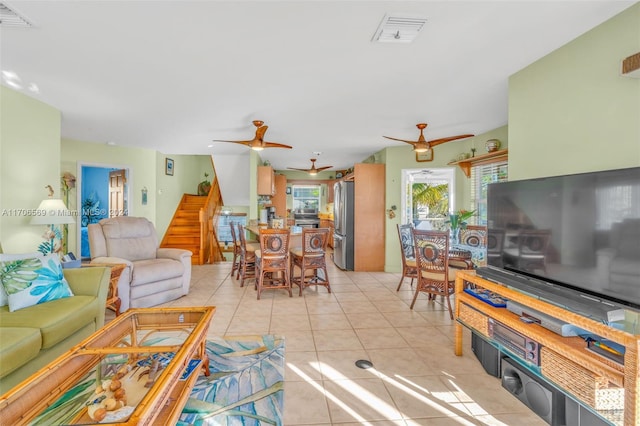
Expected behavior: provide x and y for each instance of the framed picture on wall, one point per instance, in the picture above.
(421, 157)
(168, 166)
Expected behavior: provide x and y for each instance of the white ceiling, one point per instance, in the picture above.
(174, 75)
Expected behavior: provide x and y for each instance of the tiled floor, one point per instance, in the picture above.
(416, 379)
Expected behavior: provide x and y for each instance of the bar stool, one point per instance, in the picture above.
(310, 257)
(247, 260)
(272, 261)
(236, 248)
(409, 266)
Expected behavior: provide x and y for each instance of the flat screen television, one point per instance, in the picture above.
(578, 232)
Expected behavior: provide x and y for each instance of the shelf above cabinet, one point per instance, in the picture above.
(490, 157)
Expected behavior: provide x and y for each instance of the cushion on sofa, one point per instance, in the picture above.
(133, 239)
(56, 320)
(19, 345)
(152, 270)
(32, 280)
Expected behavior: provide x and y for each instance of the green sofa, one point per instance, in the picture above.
(33, 337)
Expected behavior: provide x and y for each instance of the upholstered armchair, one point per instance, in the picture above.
(153, 275)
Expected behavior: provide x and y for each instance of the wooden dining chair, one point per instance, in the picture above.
(235, 263)
(247, 260)
(472, 236)
(435, 277)
(409, 267)
(272, 261)
(310, 258)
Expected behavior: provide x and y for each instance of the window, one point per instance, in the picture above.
(427, 197)
(306, 197)
(224, 229)
(481, 176)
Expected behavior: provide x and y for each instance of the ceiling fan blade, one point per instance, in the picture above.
(300, 170)
(240, 142)
(400, 140)
(448, 139)
(323, 168)
(275, 145)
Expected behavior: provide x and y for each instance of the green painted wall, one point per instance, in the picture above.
(403, 157)
(572, 111)
(29, 160)
(188, 173)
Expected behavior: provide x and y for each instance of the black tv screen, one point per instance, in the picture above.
(578, 231)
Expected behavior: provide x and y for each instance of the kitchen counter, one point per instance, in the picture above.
(325, 216)
(295, 236)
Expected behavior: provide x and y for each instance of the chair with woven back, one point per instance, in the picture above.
(310, 259)
(473, 236)
(247, 259)
(435, 276)
(409, 267)
(272, 261)
(235, 263)
(233, 227)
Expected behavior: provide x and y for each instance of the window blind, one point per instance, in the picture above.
(481, 176)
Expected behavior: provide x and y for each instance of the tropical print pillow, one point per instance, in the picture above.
(33, 280)
(4, 299)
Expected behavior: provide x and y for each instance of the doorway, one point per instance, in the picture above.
(427, 197)
(102, 192)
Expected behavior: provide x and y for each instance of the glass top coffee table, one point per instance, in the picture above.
(137, 370)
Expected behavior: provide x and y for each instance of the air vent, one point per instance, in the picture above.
(631, 66)
(10, 18)
(399, 28)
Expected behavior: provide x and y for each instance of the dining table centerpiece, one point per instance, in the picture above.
(458, 220)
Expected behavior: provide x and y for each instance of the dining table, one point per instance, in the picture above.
(476, 254)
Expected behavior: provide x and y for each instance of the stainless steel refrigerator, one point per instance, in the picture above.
(343, 222)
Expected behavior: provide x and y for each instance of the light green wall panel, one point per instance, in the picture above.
(403, 157)
(29, 160)
(572, 111)
(141, 164)
(188, 173)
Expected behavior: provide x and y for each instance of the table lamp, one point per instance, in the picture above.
(52, 212)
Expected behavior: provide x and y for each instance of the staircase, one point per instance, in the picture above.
(193, 227)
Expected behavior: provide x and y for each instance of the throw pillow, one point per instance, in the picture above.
(33, 280)
(4, 300)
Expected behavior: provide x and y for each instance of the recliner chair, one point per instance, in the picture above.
(153, 275)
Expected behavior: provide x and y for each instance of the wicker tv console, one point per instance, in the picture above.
(606, 387)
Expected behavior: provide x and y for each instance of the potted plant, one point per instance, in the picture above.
(205, 186)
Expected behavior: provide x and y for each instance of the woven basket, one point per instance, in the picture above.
(584, 384)
(474, 319)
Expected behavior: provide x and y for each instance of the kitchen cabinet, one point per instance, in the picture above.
(369, 216)
(328, 223)
(279, 198)
(330, 191)
(266, 180)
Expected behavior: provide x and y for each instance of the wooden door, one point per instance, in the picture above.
(117, 180)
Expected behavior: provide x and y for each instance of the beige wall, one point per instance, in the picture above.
(29, 160)
(571, 111)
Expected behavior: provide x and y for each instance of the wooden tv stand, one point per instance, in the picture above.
(593, 380)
